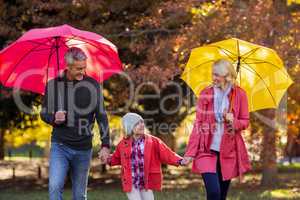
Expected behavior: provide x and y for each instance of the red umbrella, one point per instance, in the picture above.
(38, 56)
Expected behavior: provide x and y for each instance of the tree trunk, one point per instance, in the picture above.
(292, 148)
(268, 154)
(2, 152)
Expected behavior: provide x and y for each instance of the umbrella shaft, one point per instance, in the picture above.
(60, 103)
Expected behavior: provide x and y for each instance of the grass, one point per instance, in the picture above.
(289, 167)
(174, 194)
(179, 185)
(287, 188)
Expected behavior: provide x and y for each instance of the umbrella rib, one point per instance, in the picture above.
(64, 43)
(240, 73)
(30, 51)
(77, 44)
(71, 38)
(87, 42)
(197, 66)
(261, 62)
(37, 50)
(51, 42)
(97, 47)
(249, 53)
(238, 47)
(38, 43)
(238, 56)
(67, 40)
(255, 72)
(49, 58)
(225, 51)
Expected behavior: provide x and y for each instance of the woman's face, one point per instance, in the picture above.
(139, 128)
(218, 80)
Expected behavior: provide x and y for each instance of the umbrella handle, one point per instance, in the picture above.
(231, 101)
(60, 104)
(60, 95)
(238, 66)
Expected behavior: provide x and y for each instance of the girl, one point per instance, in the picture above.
(140, 156)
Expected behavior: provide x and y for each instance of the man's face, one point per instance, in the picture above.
(77, 69)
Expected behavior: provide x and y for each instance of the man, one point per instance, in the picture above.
(71, 103)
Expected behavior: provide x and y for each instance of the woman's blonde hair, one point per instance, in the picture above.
(224, 67)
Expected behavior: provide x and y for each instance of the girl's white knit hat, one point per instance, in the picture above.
(129, 121)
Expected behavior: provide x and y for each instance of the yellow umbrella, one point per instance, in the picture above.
(261, 72)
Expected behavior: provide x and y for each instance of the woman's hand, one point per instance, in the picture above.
(228, 117)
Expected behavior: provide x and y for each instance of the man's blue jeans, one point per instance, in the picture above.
(62, 159)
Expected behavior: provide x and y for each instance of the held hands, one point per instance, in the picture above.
(104, 155)
(186, 160)
(106, 161)
(60, 117)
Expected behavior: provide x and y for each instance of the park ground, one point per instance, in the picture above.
(179, 184)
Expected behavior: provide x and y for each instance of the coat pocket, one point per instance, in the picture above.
(229, 146)
(154, 179)
(155, 170)
(204, 144)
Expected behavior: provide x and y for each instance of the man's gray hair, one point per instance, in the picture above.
(74, 53)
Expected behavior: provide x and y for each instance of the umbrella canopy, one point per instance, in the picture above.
(261, 72)
(38, 56)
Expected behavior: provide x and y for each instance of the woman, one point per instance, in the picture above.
(216, 146)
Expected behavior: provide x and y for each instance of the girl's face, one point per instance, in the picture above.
(139, 128)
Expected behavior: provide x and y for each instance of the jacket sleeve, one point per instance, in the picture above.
(102, 120)
(166, 155)
(194, 139)
(241, 122)
(47, 112)
(116, 157)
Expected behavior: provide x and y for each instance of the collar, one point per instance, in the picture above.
(63, 77)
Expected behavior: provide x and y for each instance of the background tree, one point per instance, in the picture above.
(11, 117)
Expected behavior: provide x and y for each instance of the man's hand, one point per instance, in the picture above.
(104, 155)
(60, 117)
